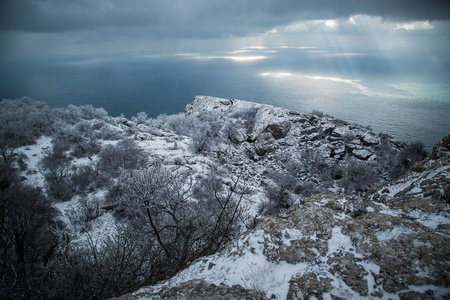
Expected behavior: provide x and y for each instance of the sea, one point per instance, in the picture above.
(410, 102)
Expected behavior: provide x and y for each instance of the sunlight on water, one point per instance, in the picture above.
(234, 58)
(277, 75)
(436, 92)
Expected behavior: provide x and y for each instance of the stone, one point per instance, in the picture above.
(308, 285)
(265, 143)
(369, 140)
(238, 136)
(362, 154)
(442, 148)
(352, 273)
(278, 131)
(198, 289)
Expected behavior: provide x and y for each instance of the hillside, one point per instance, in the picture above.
(229, 192)
(391, 242)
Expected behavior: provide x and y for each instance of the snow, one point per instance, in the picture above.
(246, 264)
(371, 268)
(103, 227)
(290, 234)
(438, 292)
(386, 235)
(370, 209)
(340, 243)
(341, 131)
(430, 220)
(34, 154)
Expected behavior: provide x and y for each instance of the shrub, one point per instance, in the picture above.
(27, 241)
(86, 148)
(278, 193)
(181, 228)
(248, 116)
(204, 129)
(125, 155)
(86, 179)
(86, 210)
(89, 112)
(109, 133)
(22, 121)
(357, 176)
(140, 118)
(58, 184)
(56, 156)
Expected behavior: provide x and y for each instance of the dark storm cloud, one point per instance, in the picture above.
(200, 18)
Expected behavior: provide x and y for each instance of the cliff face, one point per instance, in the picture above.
(389, 242)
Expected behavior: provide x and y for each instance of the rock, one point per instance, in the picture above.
(128, 123)
(411, 295)
(265, 143)
(199, 289)
(308, 285)
(339, 132)
(389, 242)
(327, 129)
(309, 130)
(226, 102)
(442, 148)
(400, 247)
(314, 137)
(352, 273)
(362, 154)
(279, 130)
(340, 150)
(238, 136)
(142, 136)
(299, 120)
(369, 140)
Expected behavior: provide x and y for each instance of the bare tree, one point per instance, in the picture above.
(185, 219)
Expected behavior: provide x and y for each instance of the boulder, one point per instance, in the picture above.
(278, 131)
(369, 140)
(238, 136)
(265, 143)
(362, 154)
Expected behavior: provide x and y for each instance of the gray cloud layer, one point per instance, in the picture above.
(200, 18)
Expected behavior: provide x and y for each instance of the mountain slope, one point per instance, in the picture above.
(141, 199)
(391, 242)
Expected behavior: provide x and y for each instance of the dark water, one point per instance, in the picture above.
(395, 99)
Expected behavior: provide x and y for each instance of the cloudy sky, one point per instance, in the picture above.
(39, 29)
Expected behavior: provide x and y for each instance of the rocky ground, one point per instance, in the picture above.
(391, 242)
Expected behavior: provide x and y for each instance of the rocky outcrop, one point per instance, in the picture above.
(198, 289)
(392, 242)
(275, 126)
(441, 148)
(279, 131)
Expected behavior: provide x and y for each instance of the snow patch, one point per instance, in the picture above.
(386, 235)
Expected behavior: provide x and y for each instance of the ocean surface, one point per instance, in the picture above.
(408, 102)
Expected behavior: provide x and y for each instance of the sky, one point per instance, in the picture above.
(36, 30)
